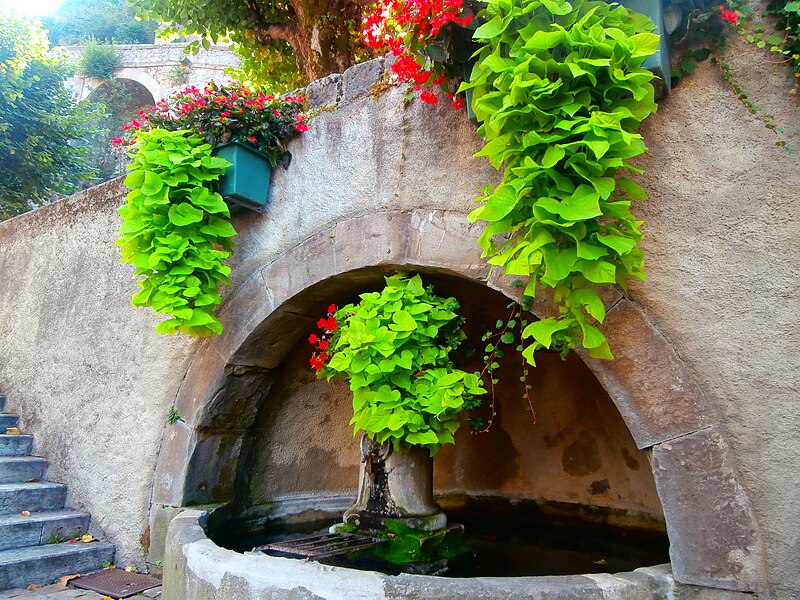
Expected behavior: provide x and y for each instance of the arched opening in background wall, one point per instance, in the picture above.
(664, 411)
(122, 99)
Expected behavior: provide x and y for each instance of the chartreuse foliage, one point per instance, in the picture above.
(560, 91)
(175, 230)
(394, 347)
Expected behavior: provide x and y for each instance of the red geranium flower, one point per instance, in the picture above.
(331, 324)
(331, 309)
(731, 16)
(323, 344)
(312, 339)
(322, 323)
(428, 97)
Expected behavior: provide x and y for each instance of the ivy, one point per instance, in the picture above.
(394, 348)
(560, 91)
(176, 231)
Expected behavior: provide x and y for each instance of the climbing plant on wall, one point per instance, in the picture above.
(560, 91)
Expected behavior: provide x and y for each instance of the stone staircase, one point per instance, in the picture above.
(33, 520)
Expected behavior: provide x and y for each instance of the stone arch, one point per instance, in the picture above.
(139, 95)
(713, 535)
(143, 78)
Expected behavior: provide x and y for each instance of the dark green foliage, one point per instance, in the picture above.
(110, 21)
(43, 131)
(283, 44)
(408, 545)
(788, 15)
(98, 60)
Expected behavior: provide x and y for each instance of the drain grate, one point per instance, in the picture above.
(326, 545)
(117, 583)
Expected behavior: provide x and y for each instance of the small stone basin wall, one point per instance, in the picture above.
(196, 568)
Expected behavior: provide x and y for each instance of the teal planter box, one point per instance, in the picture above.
(246, 182)
(659, 62)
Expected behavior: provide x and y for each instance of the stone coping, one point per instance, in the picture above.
(195, 567)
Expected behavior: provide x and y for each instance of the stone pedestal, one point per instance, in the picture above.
(395, 484)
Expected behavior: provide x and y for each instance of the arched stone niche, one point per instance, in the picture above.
(138, 95)
(714, 540)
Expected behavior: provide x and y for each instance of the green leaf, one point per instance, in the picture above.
(185, 214)
(152, 183)
(218, 227)
(403, 321)
(542, 331)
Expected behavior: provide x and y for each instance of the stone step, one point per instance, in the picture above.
(8, 420)
(33, 497)
(19, 531)
(18, 469)
(44, 564)
(15, 445)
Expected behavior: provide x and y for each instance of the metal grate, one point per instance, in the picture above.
(117, 583)
(326, 545)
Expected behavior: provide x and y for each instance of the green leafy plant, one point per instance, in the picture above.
(394, 348)
(173, 416)
(175, 230)
(176, 227)
(560, 91)
(55, 538)
(98, 60)
(408, 545)
(224, 113)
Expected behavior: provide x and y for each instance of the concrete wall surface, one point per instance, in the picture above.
(93, 382)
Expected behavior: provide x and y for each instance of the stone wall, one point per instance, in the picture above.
(94, 383)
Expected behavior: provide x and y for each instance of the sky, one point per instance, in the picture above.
(32, 8)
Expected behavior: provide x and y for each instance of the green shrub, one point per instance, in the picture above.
(98, 60)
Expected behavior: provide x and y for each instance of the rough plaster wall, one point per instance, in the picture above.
(721, 246)
(82, 367)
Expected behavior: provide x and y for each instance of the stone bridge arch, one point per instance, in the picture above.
(714, 538)
(157, 67)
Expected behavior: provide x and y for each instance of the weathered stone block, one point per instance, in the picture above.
(302, 267)
(446, 239)
(377, 239)
(324, 92)
(269, 342)
(240, 313)
(160, 517)
(653, 389)
(711, 525)
(358, 79)
(172, 465)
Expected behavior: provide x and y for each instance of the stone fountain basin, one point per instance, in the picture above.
(197, 568)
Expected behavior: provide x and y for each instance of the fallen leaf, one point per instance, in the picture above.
(26, 513)
(66, 579)
(33, 586)
(12, 431)
(87, 538)
(106, 598)
(32, 480)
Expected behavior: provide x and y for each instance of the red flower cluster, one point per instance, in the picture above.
(223, 113)
(321, 342)
(392, 21)
(731, 16)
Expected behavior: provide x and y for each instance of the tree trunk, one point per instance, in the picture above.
(395, 485)
(322, 33)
